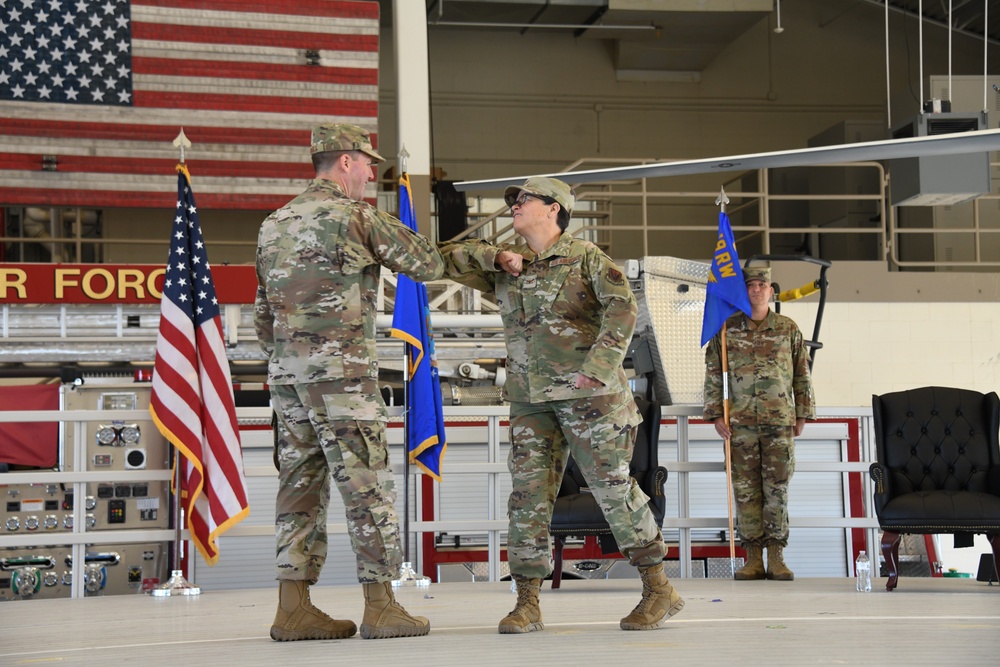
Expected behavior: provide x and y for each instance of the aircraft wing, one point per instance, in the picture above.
(888, 149)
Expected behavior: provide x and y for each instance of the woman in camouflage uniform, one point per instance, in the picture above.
(568, 316)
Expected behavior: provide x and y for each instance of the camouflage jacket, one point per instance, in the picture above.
(768, 373)
(570, 311)
(318, 261)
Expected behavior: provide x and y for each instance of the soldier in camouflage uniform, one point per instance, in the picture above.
(318, 264)
(772, 397)
(568, 316)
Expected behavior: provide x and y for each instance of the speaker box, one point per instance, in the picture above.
(135, 459)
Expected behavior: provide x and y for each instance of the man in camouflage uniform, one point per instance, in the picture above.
(568, 317)
(318, 265)
(772, 397)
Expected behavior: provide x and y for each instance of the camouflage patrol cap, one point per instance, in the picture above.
(543, 187)
(757, 273)
(342, 137)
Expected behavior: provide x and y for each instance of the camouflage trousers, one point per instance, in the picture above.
(763, 463)
(334, 428)
(599, 431)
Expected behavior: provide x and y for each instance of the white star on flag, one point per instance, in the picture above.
(47, 72)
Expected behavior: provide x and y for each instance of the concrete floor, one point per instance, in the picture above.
(806, 622)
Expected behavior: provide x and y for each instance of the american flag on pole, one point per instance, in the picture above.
(92, 93)
(192, 399)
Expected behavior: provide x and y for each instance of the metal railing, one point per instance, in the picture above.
(493, 465)
(599, 218)
(600, 199)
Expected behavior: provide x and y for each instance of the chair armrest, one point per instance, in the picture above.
(880, 475)
(652, 483)
(994, 480)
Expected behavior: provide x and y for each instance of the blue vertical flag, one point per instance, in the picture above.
(411, 321)
(726, 293)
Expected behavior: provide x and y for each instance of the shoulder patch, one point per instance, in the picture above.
(615, 277)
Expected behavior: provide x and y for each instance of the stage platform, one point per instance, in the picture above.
(806, 622)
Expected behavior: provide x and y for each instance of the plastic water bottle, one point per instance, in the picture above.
(864, 569)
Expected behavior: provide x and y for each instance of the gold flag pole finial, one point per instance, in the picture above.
(182, 142)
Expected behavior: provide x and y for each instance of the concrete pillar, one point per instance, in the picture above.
(413, 103)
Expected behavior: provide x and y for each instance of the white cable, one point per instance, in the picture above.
(986, 44)
(888, 102)
(920, 49)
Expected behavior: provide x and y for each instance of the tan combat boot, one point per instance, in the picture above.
(297, 618)
(754, 567)
(385, 618)
(526, 615)
(659, 601)
(776, 568)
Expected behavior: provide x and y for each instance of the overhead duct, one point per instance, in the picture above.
(940, 180)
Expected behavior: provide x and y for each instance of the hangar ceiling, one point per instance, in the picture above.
(973, 17)
(674, 40)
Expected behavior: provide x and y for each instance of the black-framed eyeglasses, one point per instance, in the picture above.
(524, 196)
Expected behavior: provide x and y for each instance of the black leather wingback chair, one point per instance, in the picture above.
(938, 467)
(577, 514)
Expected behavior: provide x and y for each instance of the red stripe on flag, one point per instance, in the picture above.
(21, 161)
(133, 199)
(142, 132)
(175, 405)
(220, 417)
(176, 349)
(114, 165)
(198, 527)
(256, 103)
(223, 69)
(274, 38)
(353, 10)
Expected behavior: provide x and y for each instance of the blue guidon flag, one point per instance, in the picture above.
(411, 321)
(726, 292)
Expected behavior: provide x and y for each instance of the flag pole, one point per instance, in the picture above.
(721, 202)
(407, 355)
(407, 575)
(177, 584)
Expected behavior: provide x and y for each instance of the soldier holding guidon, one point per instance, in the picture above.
(772, 397)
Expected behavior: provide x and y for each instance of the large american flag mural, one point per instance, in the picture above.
(92, 94)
